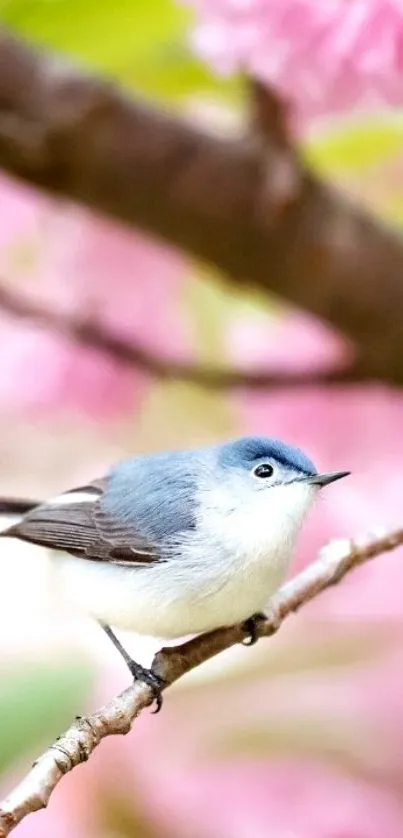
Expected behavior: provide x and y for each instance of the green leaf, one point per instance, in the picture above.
(36, 704)
(142, 43)
(355, 146)
(103, 34)
(173, 73)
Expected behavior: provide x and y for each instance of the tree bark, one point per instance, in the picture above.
(248, 204)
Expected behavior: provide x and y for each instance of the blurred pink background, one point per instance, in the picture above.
(301, 736)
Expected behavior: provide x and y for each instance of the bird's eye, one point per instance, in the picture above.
(264, 470)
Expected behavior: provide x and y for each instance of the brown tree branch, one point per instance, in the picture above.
(92, 334)
(248, 204)
(116, 717)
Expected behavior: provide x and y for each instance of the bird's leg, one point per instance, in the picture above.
(140, 673)
(251, 629)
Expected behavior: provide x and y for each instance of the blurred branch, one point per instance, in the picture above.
(92, 334)
(248, 205)
(116, 717)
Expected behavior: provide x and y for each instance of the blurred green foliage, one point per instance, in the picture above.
(364, 155)
(142, 43)
(352, 145)
(37, 702)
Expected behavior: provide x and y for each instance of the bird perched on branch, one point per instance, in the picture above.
(177, 543)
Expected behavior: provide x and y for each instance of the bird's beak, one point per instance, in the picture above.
(325, 479)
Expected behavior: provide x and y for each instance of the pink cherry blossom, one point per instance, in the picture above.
(46, 373)
(323, 56)
(94, 270)
(23, 212)
(129, 283)
(285, 798)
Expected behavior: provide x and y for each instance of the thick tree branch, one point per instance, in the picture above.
(248, 205)
(92, 334)
(116, 717)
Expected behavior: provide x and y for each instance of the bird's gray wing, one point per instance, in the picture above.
(77, 523)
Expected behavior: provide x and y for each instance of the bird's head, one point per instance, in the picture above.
(270, 478)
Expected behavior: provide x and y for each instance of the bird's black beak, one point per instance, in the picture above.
(325, 479)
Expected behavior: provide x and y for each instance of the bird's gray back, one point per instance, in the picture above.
(154, 493)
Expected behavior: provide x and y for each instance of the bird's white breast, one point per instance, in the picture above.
(222, 576)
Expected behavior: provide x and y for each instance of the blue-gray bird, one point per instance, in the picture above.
(181, 542)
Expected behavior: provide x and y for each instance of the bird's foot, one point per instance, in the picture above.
(140, 673)
(251, 629)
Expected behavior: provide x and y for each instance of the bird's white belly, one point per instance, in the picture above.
(164, 600)
(220, 576)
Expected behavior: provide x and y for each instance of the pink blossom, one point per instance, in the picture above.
(323, 56)
(90, 269)
(23, 212)
(117, 276)
(46, 373)
(285, 798)
(296, 343)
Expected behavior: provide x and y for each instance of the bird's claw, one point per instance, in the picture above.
(251, 629)
(140, 673)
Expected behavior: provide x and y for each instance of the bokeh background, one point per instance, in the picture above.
(302, 736)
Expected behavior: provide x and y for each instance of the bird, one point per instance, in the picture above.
(176, 543)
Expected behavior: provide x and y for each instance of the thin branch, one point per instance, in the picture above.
(92, 334)
(117, 717)
(247, 204)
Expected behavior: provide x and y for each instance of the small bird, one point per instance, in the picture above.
(177, 543)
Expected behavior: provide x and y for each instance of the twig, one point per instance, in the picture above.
(116, 717)
(247, 204)
(94, 335)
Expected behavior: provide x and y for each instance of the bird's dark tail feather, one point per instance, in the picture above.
(16, 506)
